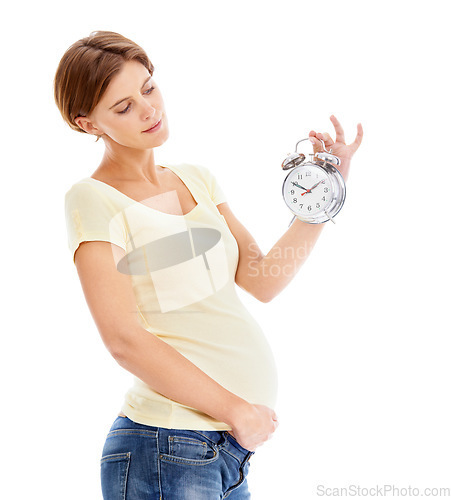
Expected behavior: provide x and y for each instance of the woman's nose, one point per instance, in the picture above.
(148, 111)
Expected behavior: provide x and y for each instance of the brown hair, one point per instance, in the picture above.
(86, 69)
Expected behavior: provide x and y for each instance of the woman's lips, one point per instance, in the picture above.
(154, 128)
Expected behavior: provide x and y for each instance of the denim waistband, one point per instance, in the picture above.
(222, 439)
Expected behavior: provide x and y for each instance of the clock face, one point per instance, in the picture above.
(308, 191)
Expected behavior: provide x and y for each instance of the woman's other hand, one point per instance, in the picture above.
(254, 426)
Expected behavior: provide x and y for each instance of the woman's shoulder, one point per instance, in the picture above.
(88, 193)
(194, 169)
(83, 184)
(198, 171)
(206, 180)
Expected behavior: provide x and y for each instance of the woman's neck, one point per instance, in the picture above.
(126, 164)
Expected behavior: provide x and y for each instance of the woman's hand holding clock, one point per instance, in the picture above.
(339, 148)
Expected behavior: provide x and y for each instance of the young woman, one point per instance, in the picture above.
(158, 252)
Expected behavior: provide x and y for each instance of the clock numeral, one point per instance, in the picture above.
(309, 208)
(308, 173)
(323, 198)
(292, 192)
(318, 205)
(326, 190)
(295, 200)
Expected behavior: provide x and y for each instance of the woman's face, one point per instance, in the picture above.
(130, 106)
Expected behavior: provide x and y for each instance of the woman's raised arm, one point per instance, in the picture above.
(265, 276)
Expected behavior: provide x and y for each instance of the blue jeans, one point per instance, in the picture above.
(140, 462)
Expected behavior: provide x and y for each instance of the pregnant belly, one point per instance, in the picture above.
(240, 360)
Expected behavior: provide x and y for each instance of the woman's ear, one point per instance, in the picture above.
(86, 124)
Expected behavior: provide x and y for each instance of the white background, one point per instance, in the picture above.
(361, 335)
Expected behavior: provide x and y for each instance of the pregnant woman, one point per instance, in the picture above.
(158, 252)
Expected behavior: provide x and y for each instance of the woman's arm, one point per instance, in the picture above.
(168, 372)
(265, 276)
(111, 300)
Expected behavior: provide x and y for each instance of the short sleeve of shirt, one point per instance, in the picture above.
(214, 189)
(91, 217)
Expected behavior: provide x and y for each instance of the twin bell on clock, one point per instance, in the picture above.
(313, 190)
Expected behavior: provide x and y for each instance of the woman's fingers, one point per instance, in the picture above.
(317, 144)
(328, 141)
(339, 147)
(358, 140)
(339, 132)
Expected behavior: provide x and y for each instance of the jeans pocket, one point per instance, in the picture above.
(190, 450)
(237, 444)
(114, 474)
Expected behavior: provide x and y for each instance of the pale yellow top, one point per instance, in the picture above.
(182, 269)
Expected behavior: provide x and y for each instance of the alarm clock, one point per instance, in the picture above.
(313, 190)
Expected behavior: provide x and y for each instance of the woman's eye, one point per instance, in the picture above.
(124, 110)
(146, 92)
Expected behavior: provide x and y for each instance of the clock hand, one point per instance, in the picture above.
(320, 182)
(313, 187)
(298, 185)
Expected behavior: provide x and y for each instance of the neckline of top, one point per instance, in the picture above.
(146, 206)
